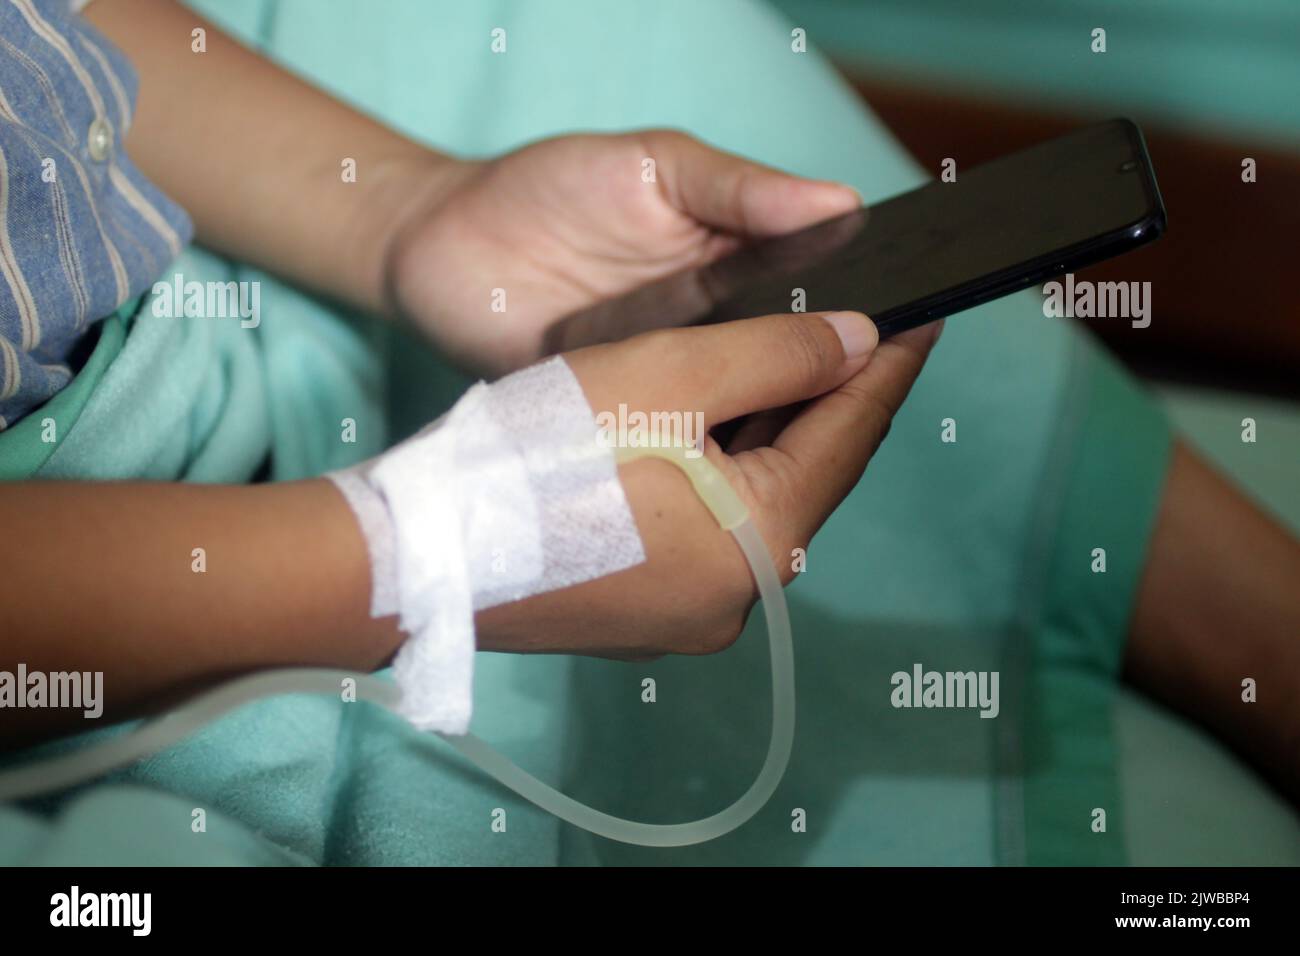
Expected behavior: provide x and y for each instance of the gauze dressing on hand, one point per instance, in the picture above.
(506, 496)
(555, 552)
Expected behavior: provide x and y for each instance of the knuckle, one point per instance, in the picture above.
(785, 569)
(661, 138)
(882, 431)
(876, 411)
(720, 637)
(809, 351)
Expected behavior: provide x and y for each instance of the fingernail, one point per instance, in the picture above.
(844, 187)
(853, 191)
(857, 332)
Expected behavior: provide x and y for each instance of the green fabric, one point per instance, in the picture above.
(1222, 68)
(23, 448)
(1188, 800)
(207, 399)
(942, 555)
(1111, 483)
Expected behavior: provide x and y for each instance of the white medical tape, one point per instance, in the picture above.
(506, 496)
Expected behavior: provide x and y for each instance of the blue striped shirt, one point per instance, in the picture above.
(81, 230)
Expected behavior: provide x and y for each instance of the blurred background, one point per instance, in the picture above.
(1211, 83)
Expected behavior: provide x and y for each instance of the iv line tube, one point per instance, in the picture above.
(68, 769)
(709, 828)
(72, 768)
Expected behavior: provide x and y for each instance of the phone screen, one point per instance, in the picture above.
(947, 246)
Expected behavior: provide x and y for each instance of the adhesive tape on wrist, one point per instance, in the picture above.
(506, 496)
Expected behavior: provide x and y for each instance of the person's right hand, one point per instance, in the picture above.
(816, 406)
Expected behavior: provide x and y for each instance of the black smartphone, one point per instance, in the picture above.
(1005, 225)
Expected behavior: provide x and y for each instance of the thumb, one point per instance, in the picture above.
(730, 194)
(729, 369)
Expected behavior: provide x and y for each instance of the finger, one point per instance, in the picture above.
(730, 369)
(761, 428)
(833, 438)
(735, 195)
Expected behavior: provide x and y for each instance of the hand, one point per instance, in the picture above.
(791, 466)
(565, 223)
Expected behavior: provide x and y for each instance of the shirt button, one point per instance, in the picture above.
(99, 140)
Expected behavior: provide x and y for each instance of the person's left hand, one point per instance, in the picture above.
(562, 224)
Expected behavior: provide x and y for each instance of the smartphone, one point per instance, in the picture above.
(1002, 226)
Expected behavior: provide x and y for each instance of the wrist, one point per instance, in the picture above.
(400, 192)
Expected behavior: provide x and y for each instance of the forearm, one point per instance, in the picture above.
(104, 577)
(1220, 603)
(255, 155)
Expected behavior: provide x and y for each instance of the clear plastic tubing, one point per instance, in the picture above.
(724, 821)
(69, 769)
